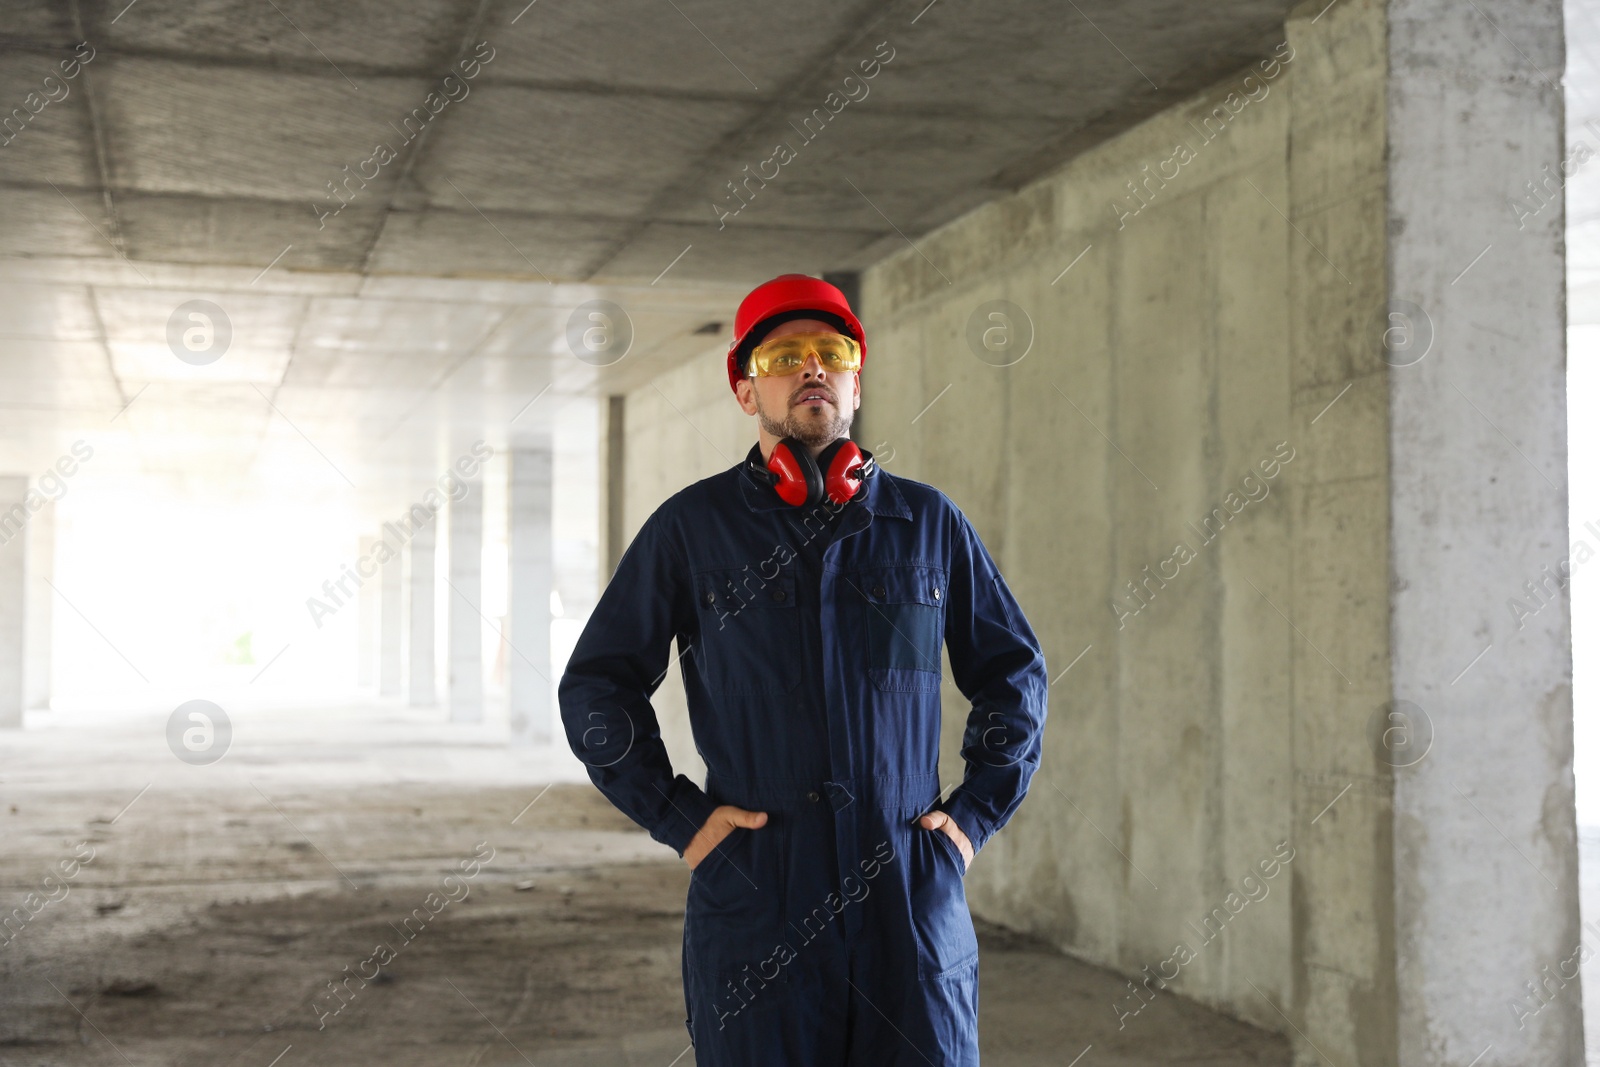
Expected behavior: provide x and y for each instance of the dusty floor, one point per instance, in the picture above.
(216, 904)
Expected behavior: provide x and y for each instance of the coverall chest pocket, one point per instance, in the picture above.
(903, 613)
(749, 630)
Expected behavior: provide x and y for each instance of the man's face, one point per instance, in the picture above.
(814, 405)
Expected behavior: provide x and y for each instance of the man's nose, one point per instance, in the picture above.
(812, 368)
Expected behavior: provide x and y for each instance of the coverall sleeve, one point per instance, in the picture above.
(996, 662)
(620, 660)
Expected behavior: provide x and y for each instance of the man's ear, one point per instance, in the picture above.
(744, 391)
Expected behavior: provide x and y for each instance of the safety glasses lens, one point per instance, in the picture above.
(787, 355)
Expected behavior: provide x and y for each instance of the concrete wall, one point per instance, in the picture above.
(1343, 954)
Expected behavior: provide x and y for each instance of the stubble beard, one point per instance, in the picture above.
(805, 429)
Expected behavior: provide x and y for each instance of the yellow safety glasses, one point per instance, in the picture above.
(786, 355)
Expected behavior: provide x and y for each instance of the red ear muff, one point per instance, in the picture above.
(836, 474)
(840, 465)
(799, 480)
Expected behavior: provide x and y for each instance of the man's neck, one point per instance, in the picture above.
(769, 442)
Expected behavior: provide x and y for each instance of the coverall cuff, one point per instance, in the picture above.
(689, 811)
(961, 806)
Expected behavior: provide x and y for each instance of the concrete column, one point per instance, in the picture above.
(1485, 851)
(465, 594)
(615, 533)
(368, 610)
(419, 629)
(530, 695)
(36, 642)
(390, 618)
(14, 519)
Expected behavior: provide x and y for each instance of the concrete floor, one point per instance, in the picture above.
(218, 902)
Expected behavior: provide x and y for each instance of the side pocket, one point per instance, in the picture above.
(946, 940)
(953, 850)
(719, 854)
(734, 913)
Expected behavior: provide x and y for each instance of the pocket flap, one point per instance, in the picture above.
(730, 590)
(908, 583)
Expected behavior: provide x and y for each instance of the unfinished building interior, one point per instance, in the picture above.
(346, 347)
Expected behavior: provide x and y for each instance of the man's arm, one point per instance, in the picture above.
(621, 659)
(998, 665)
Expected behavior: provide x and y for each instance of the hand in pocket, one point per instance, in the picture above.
(938, 820)
(723, 821)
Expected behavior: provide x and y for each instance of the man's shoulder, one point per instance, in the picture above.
(720, 486)
(923, 499)
(695, 497)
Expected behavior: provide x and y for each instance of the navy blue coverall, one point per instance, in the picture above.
(837, 933)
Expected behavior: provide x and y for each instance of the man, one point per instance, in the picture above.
(809, 593)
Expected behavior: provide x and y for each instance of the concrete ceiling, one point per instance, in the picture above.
(591, 146)
(190, 157)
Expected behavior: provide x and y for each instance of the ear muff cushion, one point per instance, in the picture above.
(799, 479)
(838, 462)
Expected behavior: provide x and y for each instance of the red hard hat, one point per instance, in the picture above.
(788, 293)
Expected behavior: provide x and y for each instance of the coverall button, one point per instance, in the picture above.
(813, 796)
(779, 594)
(878, 591)
(711, 598)
(936, 592)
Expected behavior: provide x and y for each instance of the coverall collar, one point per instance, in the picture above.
(882, 497)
